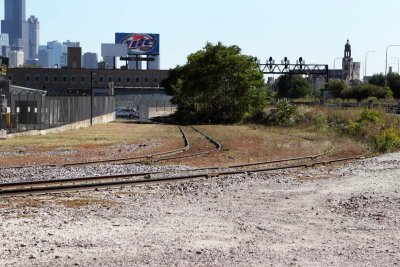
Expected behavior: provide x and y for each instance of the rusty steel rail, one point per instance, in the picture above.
(127, 175)
(104, 181)
(149, 156)
(216, 143)
(66, 185)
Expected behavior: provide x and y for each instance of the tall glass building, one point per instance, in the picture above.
(16, 26)
(33, 23)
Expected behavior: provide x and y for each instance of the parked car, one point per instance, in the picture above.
(129, 113)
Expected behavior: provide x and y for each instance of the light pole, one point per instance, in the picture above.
(398, 61)
(91, 96)
(365, 64)
(387, 48)
(334, 62)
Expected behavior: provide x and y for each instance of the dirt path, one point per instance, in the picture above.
(333, 216)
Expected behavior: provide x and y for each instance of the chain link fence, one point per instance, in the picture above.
(147, 103)
(25, 109)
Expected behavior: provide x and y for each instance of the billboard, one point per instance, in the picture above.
(139, 43)
(114, 50)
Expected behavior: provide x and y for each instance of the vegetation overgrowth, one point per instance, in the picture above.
(374, 127)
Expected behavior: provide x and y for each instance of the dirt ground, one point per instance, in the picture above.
(343, 215)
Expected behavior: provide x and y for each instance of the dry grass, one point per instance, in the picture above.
(245, 144)
(95, 143)
(241, 144)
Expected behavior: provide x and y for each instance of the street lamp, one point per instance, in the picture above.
(387, 48)
(92, 74)
(398, 61)
(334, 62)
(365, 64)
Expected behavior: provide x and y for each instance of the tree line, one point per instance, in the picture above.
(219, 84)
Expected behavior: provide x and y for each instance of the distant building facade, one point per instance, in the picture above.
(74, 58)
(90, 61)
(34, 33)
(350, 71)
(64, 78)
(53, 55)
(22, 34)
(15, 25)
(17, 58)
(68, 43)
(5, 45)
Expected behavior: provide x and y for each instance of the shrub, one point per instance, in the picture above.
(353, 128)
(370, 116)
(320, 121)
(388, 140)
(336, 87)
(302, 114)
(284, 111)
(366, 90)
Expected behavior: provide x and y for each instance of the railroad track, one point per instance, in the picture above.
(121, 180)
(155, 157)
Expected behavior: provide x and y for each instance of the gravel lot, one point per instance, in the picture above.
(344, 215)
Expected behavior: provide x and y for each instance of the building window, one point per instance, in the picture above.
(55, 78)
(37, 78)
(110, 79)
(146, 80)
(65, 78)
(119, 79)
(46, 78)
(128, 80)
(73, 78)
(28, 78)
(137, 79)
(101, 79)
(83, 79)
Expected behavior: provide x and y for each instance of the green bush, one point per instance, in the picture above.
(370, 115)
(353, 128)
(366, 90)
(388, 140)
(320, 121)
(284, 111)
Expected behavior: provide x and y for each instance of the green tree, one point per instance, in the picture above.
(393, 81)
(377, 79)
(217, 84)
(365, 90)
(292, 86)
(336, 87)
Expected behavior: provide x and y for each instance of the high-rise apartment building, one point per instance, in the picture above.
(33, 23)
(16, 26)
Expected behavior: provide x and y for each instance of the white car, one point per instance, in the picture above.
(129, 113)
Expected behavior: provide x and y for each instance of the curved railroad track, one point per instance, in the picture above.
(110, 181)
(155, 157)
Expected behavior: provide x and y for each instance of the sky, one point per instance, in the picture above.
(316, 30)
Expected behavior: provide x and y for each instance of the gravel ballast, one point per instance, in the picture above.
(344, 215)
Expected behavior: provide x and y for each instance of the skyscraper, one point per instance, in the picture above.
(16, 26)
(33, 23)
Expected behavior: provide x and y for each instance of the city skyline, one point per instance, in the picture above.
(310, 29)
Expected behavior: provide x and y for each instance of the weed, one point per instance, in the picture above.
(388, 140)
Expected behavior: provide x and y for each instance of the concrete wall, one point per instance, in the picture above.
(77, 125)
